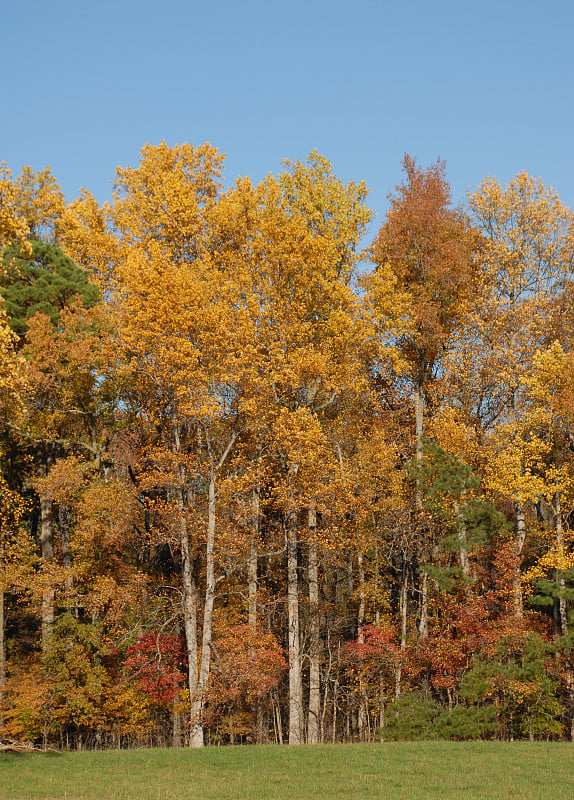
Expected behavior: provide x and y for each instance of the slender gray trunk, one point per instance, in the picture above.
(350, 577)
(64, 518)
(47, 547)
(199, 700)
(252, 561)
(261, 724)
(189, 593)
(520, 538)
(278, 722)
(295, 681)
(419, 405)
(520, 526)
(560, 553)
(201, 677)
(419, 424)
(335, 707)
(189, 604)
(462, 542)
(326, 680)
(424, 594)
(403, 618)
(313, 722)
(176, 729)
(362, 599)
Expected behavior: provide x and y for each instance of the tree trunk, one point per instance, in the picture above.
(198, 698)
(46, 544)
(519, 544)
(419, 425)
(334, 718)
(462, 542)
(403, 594)
(424, 618)
(278, 722)
(350, 577)
(176, 729)
(198, 703)
(560, 553)
(252, 561)
(64, 518)
(261, 710)
(313, 733)
(295, 681)
(326, 680)
(189, 604)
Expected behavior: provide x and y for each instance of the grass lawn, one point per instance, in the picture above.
(397, 771)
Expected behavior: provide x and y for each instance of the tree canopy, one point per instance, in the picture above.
(259, 484)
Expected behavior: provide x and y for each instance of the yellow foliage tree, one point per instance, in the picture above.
(528, 254)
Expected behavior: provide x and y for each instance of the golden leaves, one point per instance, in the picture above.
(13, 226)
(13, 383)
(528, 237)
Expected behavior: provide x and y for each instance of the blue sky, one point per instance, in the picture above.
(487, 86)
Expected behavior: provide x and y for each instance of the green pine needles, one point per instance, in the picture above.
(44, 282)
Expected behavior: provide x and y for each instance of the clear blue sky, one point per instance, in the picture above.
(487, 86)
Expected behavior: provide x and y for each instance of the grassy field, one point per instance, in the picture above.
(397, 771)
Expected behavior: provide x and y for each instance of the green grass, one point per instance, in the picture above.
(397, 771)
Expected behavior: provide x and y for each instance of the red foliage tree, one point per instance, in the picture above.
(157, 664)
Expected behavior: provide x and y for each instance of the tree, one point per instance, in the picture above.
(44, 281)
(248, 664)
(13, 226)
(175, 310)
(310, 334)
(12, 388)
(528, 257)
(429, 250)
(38, 278)
(241, 496)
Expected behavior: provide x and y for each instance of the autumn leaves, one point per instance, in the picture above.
(241, 441)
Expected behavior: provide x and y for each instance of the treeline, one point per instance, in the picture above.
(257, 485)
